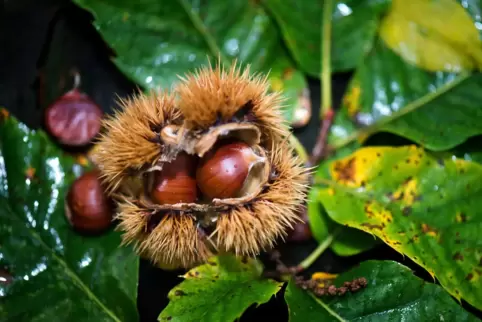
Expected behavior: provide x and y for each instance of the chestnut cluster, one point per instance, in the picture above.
(221, 174)
(202, 170)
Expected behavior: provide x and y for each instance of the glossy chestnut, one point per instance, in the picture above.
(176, 182)
(88, 208)
(223, 171)
(74, 119)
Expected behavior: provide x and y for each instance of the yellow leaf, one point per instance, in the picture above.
(434, 35)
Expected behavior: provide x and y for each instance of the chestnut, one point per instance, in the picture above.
(88, 208)
(74, 119)
(224, 170)
(176, 182)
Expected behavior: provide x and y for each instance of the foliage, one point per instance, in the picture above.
(236, 283)
(416, 75)
(393, 293)
(60, 275)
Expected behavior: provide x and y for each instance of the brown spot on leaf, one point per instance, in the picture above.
(469, 277)
(429, 230)
(406, 211)
(373, 226)
(30, 173)
(179, 293)
(287, 73)
(345, 172)
(458, 256)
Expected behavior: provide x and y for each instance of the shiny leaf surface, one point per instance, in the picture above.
(425, 207)
(354, 26)
(393, 293)
(55, 273)
(437, 110)
(434, 35)
(157, 41)
(233, 283)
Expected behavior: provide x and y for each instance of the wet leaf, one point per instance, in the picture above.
(422, 206)
(437, 110)
(157, 41)
(57, 274)
(348, 241)
(393, 293)
(234, 282)
(434, 35)
(354, 27)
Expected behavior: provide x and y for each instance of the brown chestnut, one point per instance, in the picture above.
(176, 182)
(222, 173)
(88, 208)
(74, 119)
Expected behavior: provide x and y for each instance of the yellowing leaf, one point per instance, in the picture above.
(426, 206)
(434, 35)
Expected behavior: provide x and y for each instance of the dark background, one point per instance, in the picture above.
(42, 40)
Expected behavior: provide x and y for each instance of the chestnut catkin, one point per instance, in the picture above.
(224, 170)
(88, 208)
(176, 181)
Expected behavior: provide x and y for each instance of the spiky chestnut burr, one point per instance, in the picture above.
(132, 139)
(229, 103)
(215, 107)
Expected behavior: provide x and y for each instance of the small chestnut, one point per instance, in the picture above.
(223, 171)
(176, 182)
(88, 209)
(74, 119)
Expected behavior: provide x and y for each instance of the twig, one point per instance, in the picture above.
(326, 112)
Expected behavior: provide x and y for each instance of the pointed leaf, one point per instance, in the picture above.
(437, 110)
(393, 293)
(354, 26)
(157, 41)
(234, 282)
(55, 274)
(425, 207)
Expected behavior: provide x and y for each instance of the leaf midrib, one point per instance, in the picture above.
(68, 271)
(410, 107)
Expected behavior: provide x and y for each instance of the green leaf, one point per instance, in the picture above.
(348, 241)
(393, 293)
(157, 41)
(434, 35)
(58, 275)
(233, 282)
(425, 207)
(437, 110)
(354, 27)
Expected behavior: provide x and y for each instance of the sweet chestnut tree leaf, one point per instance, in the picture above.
(354, 26)
(232, 282)
(347, 241)
(393, 293)
(54, 273)
(434, 35)
(425, 207)
(437, 110)
(157, 41)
